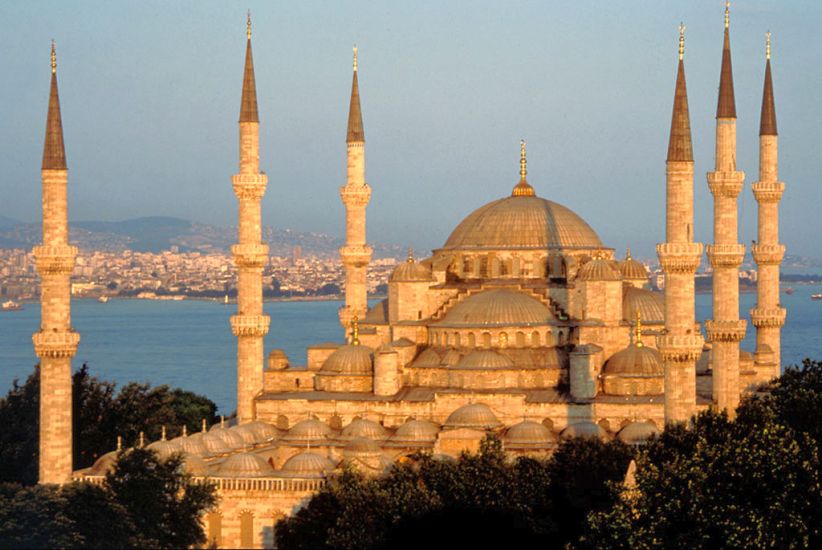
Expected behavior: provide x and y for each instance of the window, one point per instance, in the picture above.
(246, 530)
(215, 528)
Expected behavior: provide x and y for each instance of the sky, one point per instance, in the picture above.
(150, 96)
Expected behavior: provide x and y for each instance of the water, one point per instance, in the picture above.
(189, 344)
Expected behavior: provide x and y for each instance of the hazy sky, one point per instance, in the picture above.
(150, 94)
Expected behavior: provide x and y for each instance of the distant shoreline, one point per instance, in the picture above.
(214, 300)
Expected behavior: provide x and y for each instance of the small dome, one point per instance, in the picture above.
(529, 434)
(104, 464)
(192, 445)
(428, 358)
(485, 359)
(214, 444)
(498, 307)
(194, 465)
(411, 272)
(306, 465)
(245, 465)
(164, 448)
(633, 270)
(474, 415)
(598, 270)
(350, 359)
(246, 432)
(263, 431)
(416, 431)
(231, 438)
(364, 428)
(361, 447)
(584, 429)
(634, 361)
(308, 431)
(650, 304)
(637, 433)
(451, 357)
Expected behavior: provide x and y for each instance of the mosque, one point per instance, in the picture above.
(523, 324)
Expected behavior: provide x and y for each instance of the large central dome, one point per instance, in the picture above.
(519, 222)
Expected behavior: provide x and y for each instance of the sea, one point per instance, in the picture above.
(189, 344)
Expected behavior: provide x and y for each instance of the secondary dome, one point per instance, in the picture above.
(585, 429)
(637, 433)
(651, 305)
(519, 222)
(214, 444)
(350, 359)
(365, 429)
(632, 269)
(306, 465)
(308, 431)
(428, 358)
(411, 272)
(635, 361)
(245, 465)
(529, 435)
(474, 415)
(416, 432)
(599, 270)
(164, 448)
(263, 431)
(485, 359)
(498, 307)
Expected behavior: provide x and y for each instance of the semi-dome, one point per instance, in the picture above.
(308, 431)
(306, 465)
(637, 433)
(522, 222)
(428, 358)
(497, 307)
(650, 304)
(245, 465)
(350, 359)
(485, 359)
(477, 416)
(529, 435)
(364, 428)
(584, 429)
(411, 271)
(416, 432)
(635, 361)
(599, 270)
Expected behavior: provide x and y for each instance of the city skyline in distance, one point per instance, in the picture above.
(149, 118)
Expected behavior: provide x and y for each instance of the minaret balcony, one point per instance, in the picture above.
(768, 191)
(356, 255)
(250, 255)
(55, 344)
(250, 325)
(249, 186)
(679, 257)
(57, 259)
(355, 195)
(726, 331)
(768, 254)
(768, 317)
(726, 184)
(680, 348)
(725, 255)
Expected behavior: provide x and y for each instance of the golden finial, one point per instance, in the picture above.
(638, 334)
(768, 45)
(163, 432)
(248, 26)
(185, 430)
(522, 161)
(355, 331)
(727, 12)
(355, 58)
(681, 41)
(628, 254)
(222, 421)
(53, 57)
(142, 439)
(410, 259)
(204, 426)
(119, 443)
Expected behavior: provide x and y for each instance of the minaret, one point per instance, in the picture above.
(355, 195)
(56, 342)
(726, 330)
(250, 325)
(768, 316)
(681, 343)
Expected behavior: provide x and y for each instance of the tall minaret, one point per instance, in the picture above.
(768, 316)
(250, 325)
(355, 195)
(681, 343)
(726, 330)
(56, 342)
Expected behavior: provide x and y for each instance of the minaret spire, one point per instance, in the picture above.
(248, 104)
(679, 141)
(767, 120)
(726, 104)
(54, 151)
(523, 188)
(356, 133)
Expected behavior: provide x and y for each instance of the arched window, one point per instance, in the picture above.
(246, 530)
(535, 339)
(520, 339)
(457, 339)
(486, 339)
(472, 340)
(215, 528)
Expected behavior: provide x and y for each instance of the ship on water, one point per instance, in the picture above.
(10, 305)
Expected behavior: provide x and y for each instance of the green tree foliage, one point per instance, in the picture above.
(144, 503)
(470, 501)
(100, 414)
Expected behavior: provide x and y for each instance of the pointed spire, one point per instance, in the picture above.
(54, 150)
(726, 105)
(248, 105)
(638, 330)
(523, 188)
(356, 133)
(679, 142)
(119, 443)
(185, 430)
(142, 440)
(163, 432)
(628, 254)
(767, 120)
(410, 259)
(222, 421)
(204, 426)
(355, 331)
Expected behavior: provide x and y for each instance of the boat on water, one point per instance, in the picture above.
(10, 305)
(225, 299)
(816, 296)
(103, 299)
(789, 290)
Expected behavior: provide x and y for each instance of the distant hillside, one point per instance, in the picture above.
(157, 233)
